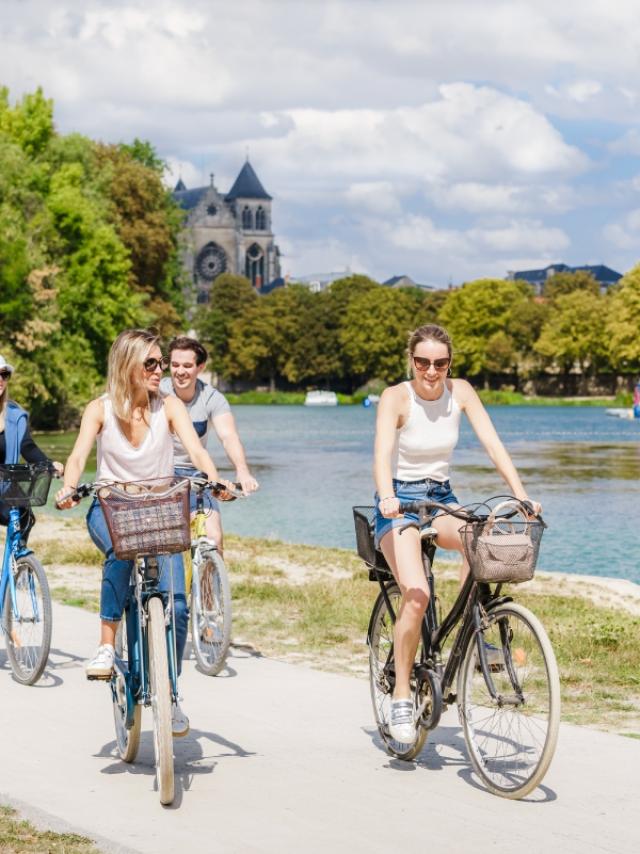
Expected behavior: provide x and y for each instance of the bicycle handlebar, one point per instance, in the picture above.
(84, 490)
(425, 507)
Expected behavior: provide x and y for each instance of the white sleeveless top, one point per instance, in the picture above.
(119, 461)
(426, 440)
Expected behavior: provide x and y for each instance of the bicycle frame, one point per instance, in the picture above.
(14, 548)
(135, 671)
(467, 611)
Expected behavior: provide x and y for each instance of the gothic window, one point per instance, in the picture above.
(247, 218)
(261, 219)
(203, 297)
(254, 265)
(212, 210)
(211, 261)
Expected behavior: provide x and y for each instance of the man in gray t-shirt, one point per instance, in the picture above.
(207, 407)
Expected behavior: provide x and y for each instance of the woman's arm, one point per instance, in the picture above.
(90, 426)
(33, 454)
(483, 427)
(387, 421)
(181, 425)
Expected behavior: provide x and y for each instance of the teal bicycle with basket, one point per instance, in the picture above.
(25, 600)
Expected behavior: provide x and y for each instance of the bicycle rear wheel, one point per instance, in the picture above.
(127, 740)
(160, 700)
(211, 612)
(511, 739)
(28, 635)
(380, 663)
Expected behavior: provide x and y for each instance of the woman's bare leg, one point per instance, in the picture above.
(404, 555)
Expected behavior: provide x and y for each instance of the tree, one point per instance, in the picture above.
(29, 123)
(231, 296)
(574, 333)
(568, 282)
(374, 331)
(479, 317)
(261, 340)
(623, 319)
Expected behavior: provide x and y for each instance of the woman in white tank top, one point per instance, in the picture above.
(416, 431)
(134, 429)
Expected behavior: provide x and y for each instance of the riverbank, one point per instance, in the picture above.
(311, 605)
(492, 398)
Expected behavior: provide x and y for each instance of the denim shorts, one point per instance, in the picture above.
(412, 490)
(210, 503)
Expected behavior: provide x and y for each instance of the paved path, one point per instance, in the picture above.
(282, 758)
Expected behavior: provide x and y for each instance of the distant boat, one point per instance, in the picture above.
(620, 413)
(371, 400)
(321, 398)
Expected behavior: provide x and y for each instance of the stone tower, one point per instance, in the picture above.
(229, 233)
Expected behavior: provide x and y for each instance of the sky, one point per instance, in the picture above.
(444, 140)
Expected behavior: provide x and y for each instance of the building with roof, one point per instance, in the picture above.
(404, 281)
(229, 233)
(605, 276)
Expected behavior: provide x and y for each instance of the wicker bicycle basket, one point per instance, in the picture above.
(25, 484)
(147, 518)
(501, 551)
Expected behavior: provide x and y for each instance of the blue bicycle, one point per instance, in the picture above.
(146, 520)
(24, 592)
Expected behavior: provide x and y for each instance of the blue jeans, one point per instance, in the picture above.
(210, 502)
(116, 580)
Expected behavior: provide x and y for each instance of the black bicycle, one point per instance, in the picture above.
(499, 668)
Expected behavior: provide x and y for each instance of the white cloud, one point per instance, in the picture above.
(628, 143)
(374, 196)
(626, 233)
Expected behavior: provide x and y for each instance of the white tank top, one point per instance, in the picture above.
(119, 461)
(426, 440)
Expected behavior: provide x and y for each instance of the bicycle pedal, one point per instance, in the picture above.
(92, 678)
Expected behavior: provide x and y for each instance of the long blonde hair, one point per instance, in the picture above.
(126, 356)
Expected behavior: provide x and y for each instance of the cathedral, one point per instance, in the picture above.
(229, 232)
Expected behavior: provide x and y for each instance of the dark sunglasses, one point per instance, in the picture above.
(424, 364)
(5, 374)
(151, 364)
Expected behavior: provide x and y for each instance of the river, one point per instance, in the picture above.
(315, 463)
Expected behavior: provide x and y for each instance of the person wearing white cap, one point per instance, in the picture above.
(16, 441)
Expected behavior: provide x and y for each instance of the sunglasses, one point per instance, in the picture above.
(5, 375)
(424, 364)
(151, 364)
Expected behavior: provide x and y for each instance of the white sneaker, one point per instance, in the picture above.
(402, 726)
(179, 721)
(101, 665)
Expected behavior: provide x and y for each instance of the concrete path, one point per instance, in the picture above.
(282, 758)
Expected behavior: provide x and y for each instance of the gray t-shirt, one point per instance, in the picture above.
(206, 404)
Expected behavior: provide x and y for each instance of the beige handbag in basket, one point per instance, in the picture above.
(504, 550)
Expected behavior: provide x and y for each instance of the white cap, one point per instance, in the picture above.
(4, 364)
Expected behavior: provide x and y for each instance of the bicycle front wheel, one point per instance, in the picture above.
(127, 739)
(511, 734)
(381, 672)
(211, 612)
(28, 634)
(160, 700)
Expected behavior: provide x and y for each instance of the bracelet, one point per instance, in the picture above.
(386, 498)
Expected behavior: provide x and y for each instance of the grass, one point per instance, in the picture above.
(310, 604)
(498, 398)
(17, 835)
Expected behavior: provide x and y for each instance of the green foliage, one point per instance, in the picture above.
(479, 317)
(230, 297)
(566, 283)
(623, 318)
(574, 332)
(88, 246)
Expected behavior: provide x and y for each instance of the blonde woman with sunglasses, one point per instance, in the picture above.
(134, 429)
(416, 431)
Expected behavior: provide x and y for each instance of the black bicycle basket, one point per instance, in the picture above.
(363, 520)
(25, 484)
